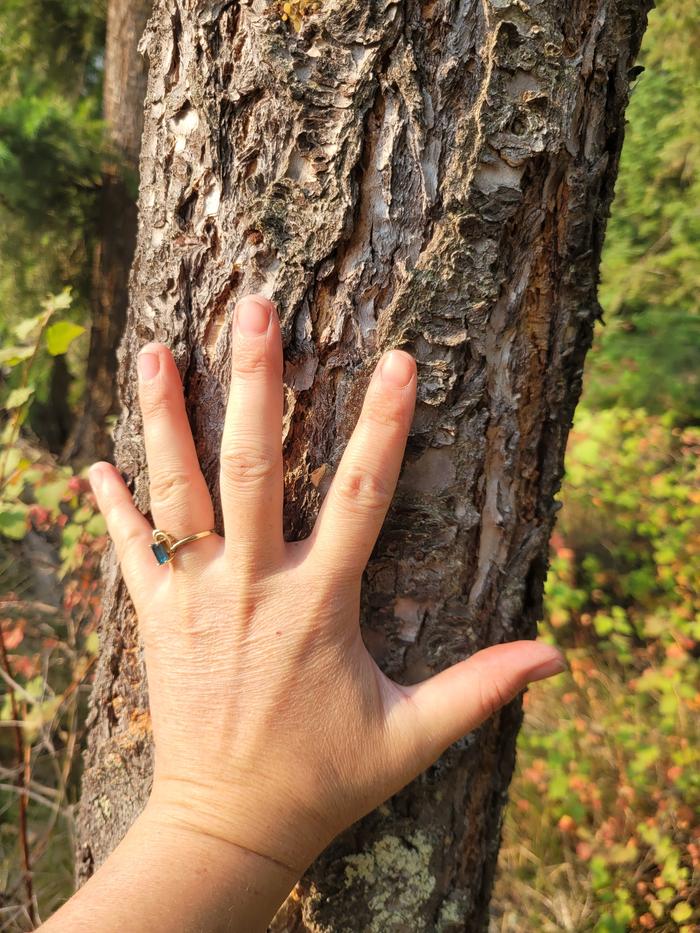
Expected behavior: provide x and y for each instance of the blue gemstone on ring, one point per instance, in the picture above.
(161, 554)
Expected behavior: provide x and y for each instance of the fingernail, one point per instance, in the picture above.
(96, 477)
(555, 665)
(149, 364)
(253, 317)
(397, 369)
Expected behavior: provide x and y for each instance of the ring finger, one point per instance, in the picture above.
(180, 501)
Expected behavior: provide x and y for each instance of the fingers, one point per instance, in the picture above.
(127, 527)
(451, 704)
(251, 447)
(180, 501)
(355, 507)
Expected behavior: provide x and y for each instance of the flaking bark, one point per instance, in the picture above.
(430, 175)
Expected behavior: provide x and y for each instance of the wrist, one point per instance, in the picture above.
(280, 833)
(242, 885)
(165, 875)
(184, 822)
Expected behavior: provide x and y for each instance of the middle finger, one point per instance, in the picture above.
(251, 447)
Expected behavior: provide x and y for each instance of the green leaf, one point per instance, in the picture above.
(50, 495)
(18, 397)
(25, 327)
(82, 515)
(61, 335)
(60, 302)
(92, 643)
(682, 911)
(11, 356)
(71, 536)
(13, 520)
(12, 461)
(603, 624)
(96, 526)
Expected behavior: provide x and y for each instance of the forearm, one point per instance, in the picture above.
(166, 877)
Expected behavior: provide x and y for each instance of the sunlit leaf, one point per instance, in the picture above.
(18, 397)
(50, 495)
(13, 520)
(682, 912)
(25, 327)
(60, 336)
(92, 643)
(96, 526)
(12, 356)
(60, 302)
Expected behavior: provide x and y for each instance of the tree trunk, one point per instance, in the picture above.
(124, 91)
(434, 175)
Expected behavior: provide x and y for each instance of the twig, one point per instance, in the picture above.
(49, 804)
(28, 605)
(11, 683)
(22, 769)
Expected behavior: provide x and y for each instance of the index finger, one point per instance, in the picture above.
(353, 512)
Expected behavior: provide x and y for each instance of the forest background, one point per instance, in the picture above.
(603, 827)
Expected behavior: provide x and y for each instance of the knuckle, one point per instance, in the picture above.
(361, 490)
(385, 416)
(169, 487)
(156, 404)
(249, 360)
(127, 539)
(246, 466)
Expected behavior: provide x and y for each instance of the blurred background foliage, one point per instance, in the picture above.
(51, 147)
(647, 354)
(603, 829)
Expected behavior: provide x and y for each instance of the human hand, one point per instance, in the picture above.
(273, 727)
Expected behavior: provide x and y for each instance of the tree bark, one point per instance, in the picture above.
(125, 78)
(434, 175)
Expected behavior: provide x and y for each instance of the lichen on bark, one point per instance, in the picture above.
(434, 175)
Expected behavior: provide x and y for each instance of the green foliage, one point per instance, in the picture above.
(60, 336)
(19, 482)
(603, 832)
(647, 355)
(49, 160)
(632, 517)
(32, 339)
(51, 149)
(55, 43)
(608, 783)
(51, 648)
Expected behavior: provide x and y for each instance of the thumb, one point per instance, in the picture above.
(456, 701)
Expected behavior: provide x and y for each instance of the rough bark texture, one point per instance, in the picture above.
(434, 175)
(125, 78)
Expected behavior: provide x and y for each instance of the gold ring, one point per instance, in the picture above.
(164, 546)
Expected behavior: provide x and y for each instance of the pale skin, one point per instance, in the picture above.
(273, 727)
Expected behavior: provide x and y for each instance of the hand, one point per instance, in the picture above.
(273, 727)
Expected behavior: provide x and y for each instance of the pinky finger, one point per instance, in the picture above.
(127, 528)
